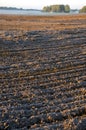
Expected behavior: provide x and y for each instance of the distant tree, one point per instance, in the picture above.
(46, 8)
(55, 8)
(62, 8)
(67, 8)
(83, 10)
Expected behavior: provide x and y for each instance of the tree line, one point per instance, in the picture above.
(61, 8)
(10, 8)
(57, 8)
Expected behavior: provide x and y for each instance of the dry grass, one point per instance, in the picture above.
(9, 22)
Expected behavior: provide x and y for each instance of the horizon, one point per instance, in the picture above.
(41, 3)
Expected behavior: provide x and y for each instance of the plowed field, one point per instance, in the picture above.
(43, 72)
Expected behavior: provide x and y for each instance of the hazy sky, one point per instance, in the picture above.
(39, 4)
